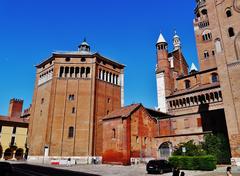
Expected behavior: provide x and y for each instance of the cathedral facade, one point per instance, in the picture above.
(204, 101)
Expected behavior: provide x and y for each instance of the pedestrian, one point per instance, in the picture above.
(69, 162)
(182, 174)
(229, 172)
(176, 171)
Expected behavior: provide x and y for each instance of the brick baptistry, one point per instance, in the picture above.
(73, 91)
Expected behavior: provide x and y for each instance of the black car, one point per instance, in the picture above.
(158, 166)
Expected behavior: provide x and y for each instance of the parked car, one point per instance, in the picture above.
(158, 166)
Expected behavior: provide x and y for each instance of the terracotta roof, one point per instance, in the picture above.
(13, 119)
(78, 54)
(195, 89)
(157, 114)
(122, 112)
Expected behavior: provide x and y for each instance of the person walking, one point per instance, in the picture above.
(176, 171)
(69, 162)
(229, 171)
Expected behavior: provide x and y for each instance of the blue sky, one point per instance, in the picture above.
(123, 30)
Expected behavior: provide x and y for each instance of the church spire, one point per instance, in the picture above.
(161, 39)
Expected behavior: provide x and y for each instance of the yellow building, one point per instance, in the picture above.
(13, 132)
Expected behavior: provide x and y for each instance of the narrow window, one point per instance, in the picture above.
(137, 139)
(213, 52)
(145, 140)
(218, 46)
(231, 32)
(113, 133)
(174, 125)
(187, 84)
(214, 77)
(41, 113)
(70, 132)
(42, 100)
(0, 128)
(73, 110)
(109, 100)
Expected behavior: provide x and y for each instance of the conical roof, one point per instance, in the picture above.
(161, 39)
(193, 67)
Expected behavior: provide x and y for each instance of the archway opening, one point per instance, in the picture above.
(19, 154)
(8, 154)
(165, 150)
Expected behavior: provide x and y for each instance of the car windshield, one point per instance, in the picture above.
(157, 161)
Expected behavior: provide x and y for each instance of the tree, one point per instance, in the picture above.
(192, 149)
(217, 145)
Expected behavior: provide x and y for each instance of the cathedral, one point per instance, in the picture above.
(77, 109)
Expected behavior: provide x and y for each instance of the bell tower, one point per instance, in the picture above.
(162, 73)
(176, 41)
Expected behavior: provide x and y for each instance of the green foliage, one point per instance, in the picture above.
(207, 162)
(217, 145)
(191, 149)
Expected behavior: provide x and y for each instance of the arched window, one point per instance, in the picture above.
(137, 139)
(113, 133)
(228, 12)
(82, 72)
(218, 46)
(61, 72)
(206, 54)
(99, 73)
(204, 12)
(71, 97)
(66, 71)
(187, 84)
(76, 72)
(145, 140)
(231, 32)
(207, 35)
(88, 72)
(71, 132)
(214, 77)
(71, 72)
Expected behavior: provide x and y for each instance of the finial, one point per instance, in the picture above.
(84, 39)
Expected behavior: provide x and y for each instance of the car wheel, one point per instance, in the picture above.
(161, 171)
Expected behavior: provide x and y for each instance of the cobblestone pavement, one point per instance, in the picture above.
(136, 170)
